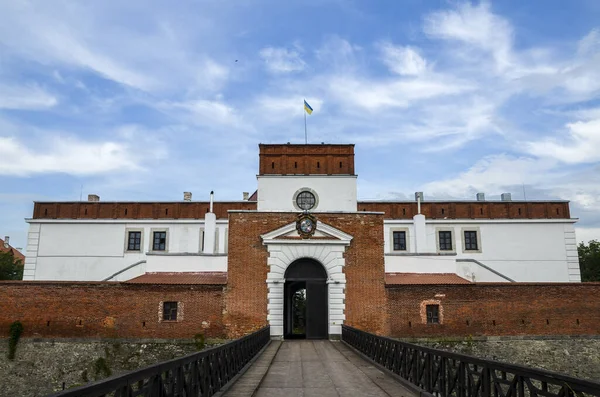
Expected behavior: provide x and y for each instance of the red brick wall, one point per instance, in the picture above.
(55, 309)
(306, 159)
(246, 297)
(112, 210)
(470, 210)
(497, 309)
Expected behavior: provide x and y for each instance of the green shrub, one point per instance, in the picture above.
(16, 329)
(199, 341)
(101, 368)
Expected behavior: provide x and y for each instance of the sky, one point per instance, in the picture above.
(145, 99)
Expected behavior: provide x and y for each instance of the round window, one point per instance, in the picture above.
(305, 200)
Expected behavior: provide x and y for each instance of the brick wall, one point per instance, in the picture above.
(471, 210)
(306, 159)
(487, 309)
(246, 297)
(128, 210)
(69, 309)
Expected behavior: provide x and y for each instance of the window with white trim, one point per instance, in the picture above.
(445, 240)
(399, 240)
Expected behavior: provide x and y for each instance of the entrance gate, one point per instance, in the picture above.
(305, 300)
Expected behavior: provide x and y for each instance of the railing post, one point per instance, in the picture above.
(486, 386)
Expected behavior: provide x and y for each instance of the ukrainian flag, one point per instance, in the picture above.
(307, 107)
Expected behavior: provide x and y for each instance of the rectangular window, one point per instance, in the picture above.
(170, 311)
(433, 314)
(399, 241)
(160, 241)
(134, 242)
(471, 241)
(445, 241)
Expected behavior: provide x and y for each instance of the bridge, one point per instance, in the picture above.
(361, 364)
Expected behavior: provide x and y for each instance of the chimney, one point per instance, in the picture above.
(505, 197)
(6, 240)
(187, 196)
(93, 197)
(212, 196)
(246, 195)
(419, 198)
(480, 196)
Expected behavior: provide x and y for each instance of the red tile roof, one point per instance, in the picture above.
(424, 278)
(181, 278)
(17, 254)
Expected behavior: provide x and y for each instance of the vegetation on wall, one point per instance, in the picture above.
(589, 260)
(10, 268)
(101, 368)
(15, 331)
(199, 341)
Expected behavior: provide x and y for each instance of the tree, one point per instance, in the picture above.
(589, 260)
(10, 268)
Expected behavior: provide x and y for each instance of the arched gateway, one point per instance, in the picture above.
(305, 300)
(310, 272)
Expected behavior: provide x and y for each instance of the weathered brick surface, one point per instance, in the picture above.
(63, 309)
(306, 159)
(471, 210)
(124, 210)
(497, 309)
(246, 298)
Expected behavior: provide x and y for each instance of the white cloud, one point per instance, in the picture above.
(582, 145)
(25, 97)
(493, 174)
(586, 234)
(405, 61)
(151, 55)
(381, 94)
(475, 26)
(201, 111)
(66, 155)
(282, 60)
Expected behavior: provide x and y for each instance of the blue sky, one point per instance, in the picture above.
(142, 100)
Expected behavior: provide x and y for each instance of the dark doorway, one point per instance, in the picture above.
(305, 300)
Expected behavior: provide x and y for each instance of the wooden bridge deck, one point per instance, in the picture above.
(317, 368)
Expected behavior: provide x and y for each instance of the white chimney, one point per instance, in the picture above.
(419, 198)
(6, 240)
(210, 229)
(480, 196)
(246, 195)
(505, 197)
(187, 196)
(93, 197)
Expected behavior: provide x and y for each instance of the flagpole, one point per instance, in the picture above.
(305, 134)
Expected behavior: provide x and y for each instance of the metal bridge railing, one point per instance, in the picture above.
(199, 374)
(441, 373)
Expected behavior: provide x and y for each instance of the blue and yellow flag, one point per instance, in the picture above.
(307, 107)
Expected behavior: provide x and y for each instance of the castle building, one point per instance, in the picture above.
(304, 230)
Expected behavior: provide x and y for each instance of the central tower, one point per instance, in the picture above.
(315, 178)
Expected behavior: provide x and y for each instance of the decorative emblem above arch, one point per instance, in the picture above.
(306, 225)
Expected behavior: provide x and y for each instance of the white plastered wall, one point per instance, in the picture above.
(328, 252)
(92, 250)
(523, 250)
(334, 192)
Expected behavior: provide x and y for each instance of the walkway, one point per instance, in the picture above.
(314, 369)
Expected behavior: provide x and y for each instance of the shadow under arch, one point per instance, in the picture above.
(305, 306)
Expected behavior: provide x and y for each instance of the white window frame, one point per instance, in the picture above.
(462, 235)
(161, 229)
(406, 234)
(452, 237)
(126, 245)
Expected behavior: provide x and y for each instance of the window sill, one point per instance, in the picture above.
(170, 321)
